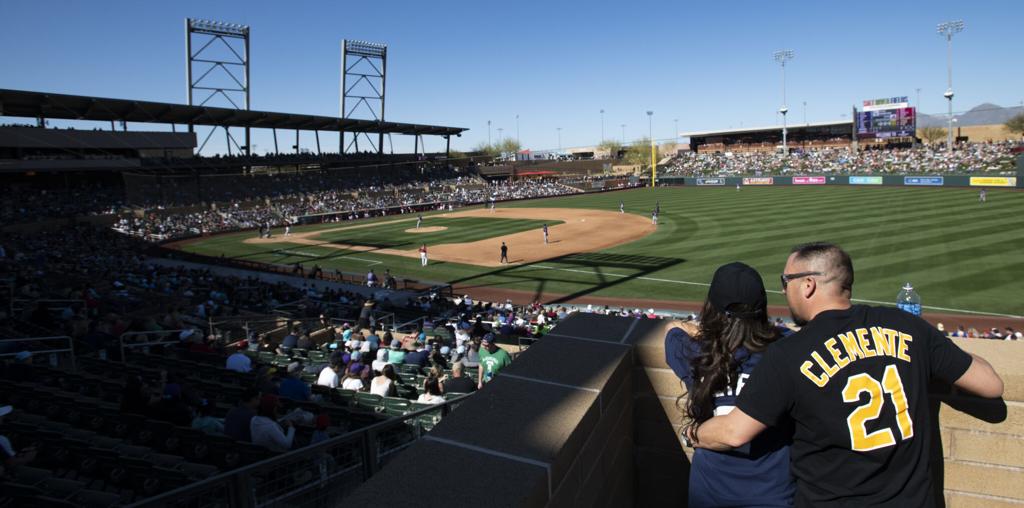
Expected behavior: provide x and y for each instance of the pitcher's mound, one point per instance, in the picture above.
(428, 229)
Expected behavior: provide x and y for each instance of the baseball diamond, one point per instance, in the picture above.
(956, 253)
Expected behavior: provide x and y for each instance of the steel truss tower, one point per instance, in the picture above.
(363, 81)
(225, 82)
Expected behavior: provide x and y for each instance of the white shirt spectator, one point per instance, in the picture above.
(328, 377)
(381, 361)
(268, 434)
(352, 383)
(427, 398)
(461, 336)
(238, 362)
(380, 386)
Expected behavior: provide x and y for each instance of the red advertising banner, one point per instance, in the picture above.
(808, 180)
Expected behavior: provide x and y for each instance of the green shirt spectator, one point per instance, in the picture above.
(492, 359)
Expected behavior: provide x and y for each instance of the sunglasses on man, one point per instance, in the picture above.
(786, 277)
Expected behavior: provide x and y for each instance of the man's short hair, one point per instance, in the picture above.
(457, 367)
(832, 259)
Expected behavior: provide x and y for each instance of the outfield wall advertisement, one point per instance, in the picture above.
(711, 181)
(894, 180)
(993, 181)
(808, 180)
(865, 180)
(923, 180)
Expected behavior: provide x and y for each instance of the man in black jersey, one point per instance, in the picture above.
(854, 380)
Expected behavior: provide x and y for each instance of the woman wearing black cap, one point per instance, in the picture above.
(714, 361)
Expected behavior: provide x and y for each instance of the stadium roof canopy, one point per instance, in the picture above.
(19, 103)
(777, 128)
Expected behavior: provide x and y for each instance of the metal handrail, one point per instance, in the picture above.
(70, 349)
(125, 346)
(366, 437)
(67, 301)
(400, 326)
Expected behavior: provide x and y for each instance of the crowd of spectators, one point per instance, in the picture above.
(337, 205)
(967, 158)
(27, 204)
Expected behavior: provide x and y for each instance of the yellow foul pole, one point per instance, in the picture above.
(654, 162)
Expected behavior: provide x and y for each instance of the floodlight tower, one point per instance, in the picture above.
(368, 71)
(947, 29)
(782, 56)
(208, 32)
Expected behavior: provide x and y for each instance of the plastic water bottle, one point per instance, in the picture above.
(908, 300)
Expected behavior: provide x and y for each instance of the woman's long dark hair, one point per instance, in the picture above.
(716, 368)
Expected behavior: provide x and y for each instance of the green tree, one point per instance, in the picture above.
(611, 146)
(931, 134)
(1016, 124)
(638, 153)
(509, 147)
(486, 149)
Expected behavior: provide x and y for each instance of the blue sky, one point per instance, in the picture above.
(555, 64)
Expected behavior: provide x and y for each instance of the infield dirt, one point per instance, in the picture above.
(581, 231)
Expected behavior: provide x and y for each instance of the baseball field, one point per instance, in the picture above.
(962, 256)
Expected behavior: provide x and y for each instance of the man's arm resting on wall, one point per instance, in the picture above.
(981, 379)
(727, 431)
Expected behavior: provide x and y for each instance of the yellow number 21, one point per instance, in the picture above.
(891, 383)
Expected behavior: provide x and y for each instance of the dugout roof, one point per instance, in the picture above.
(19, 103)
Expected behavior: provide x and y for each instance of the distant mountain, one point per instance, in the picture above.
(982, 114)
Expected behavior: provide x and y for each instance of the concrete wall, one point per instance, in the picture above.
(588, 417)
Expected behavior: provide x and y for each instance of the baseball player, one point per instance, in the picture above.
(492, 204)
(654, 217)
(982, 196)
(622, 207)
(545, 234)
(504, 253)
(423, 255)
(657, 207)
(287, 228)
(853, 382)
(419, 220)
(737, 187)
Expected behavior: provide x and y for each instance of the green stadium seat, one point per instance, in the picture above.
(348, 397)
(369, 401)
(396, 406)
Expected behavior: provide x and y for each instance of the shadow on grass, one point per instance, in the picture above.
(596, 263)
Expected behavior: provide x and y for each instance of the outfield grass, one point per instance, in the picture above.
(961, 255)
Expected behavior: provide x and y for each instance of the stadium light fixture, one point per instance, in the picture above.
(783, 56)
(947, 29)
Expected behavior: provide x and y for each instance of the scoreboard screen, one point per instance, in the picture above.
(886, 123)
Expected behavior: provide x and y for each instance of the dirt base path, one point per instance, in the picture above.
(581, 231)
